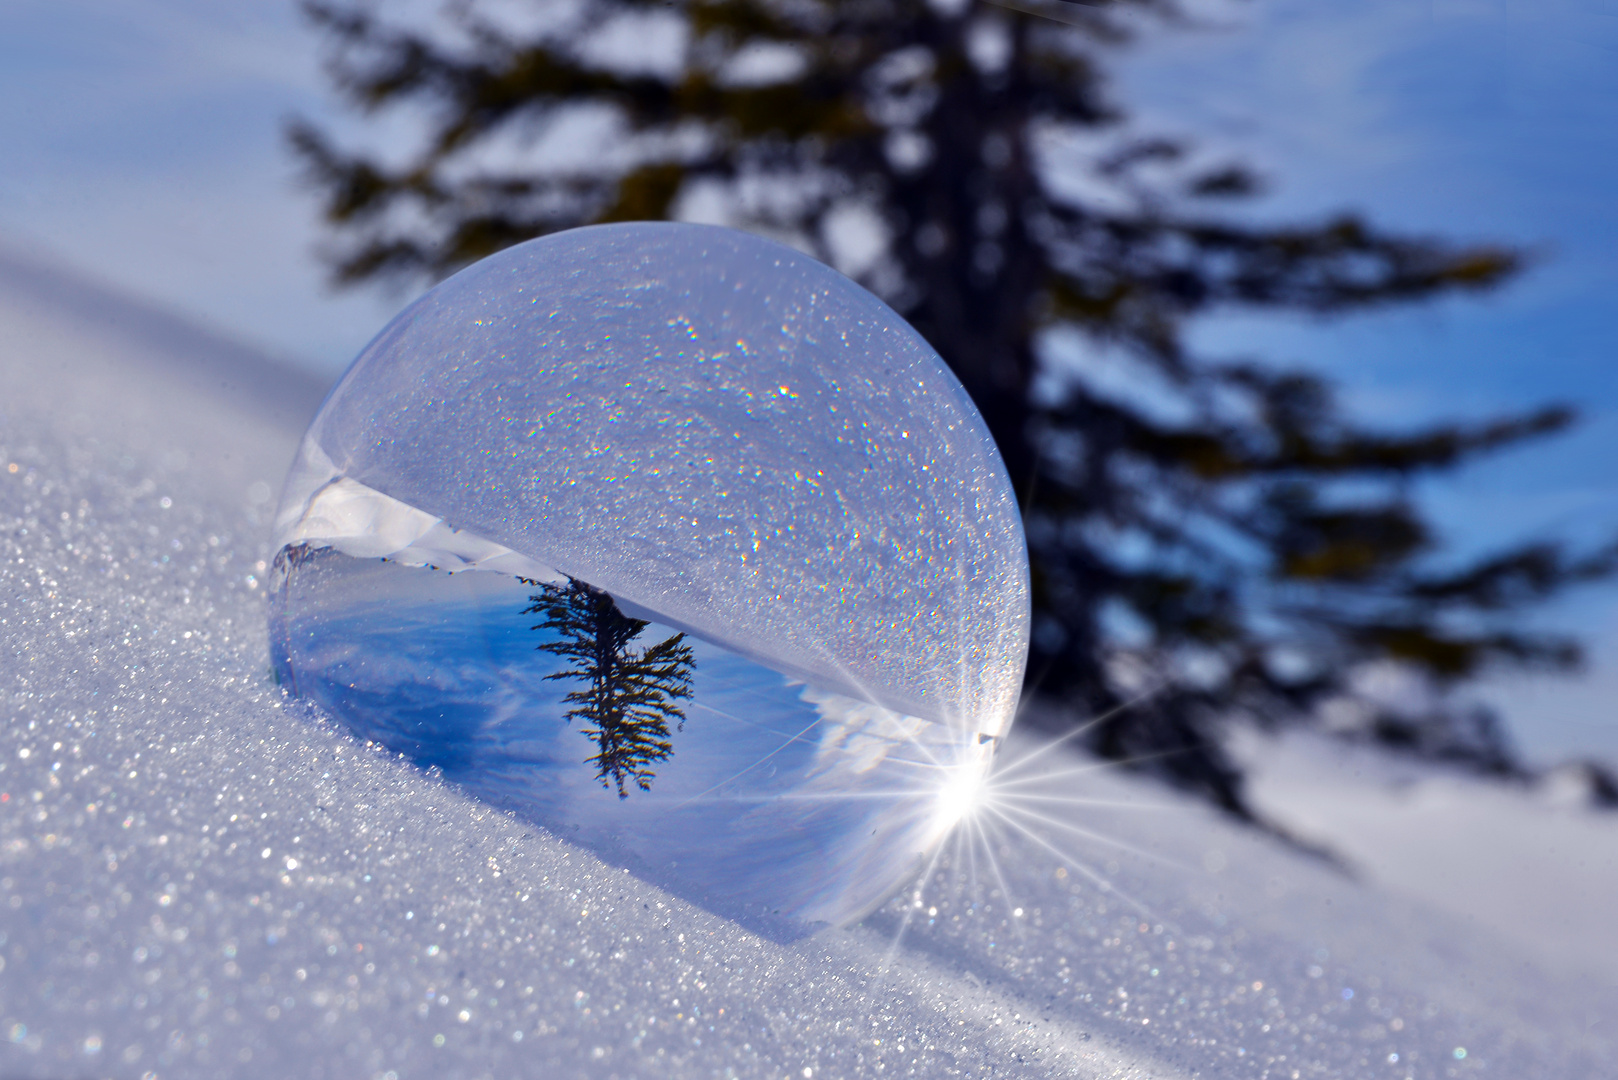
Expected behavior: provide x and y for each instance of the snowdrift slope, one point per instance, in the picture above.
(199, 878)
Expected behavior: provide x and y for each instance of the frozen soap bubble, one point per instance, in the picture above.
(680, 544)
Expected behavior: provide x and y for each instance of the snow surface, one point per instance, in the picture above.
(1536, 866)
(199, 878)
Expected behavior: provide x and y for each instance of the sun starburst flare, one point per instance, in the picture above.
(1029, 792)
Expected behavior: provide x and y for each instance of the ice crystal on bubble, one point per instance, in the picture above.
(677, 542)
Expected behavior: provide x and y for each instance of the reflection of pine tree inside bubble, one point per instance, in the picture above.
(628, 695)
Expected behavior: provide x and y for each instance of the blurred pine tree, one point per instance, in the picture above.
(1222, 530)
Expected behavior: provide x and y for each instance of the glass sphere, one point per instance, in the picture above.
(676, 542)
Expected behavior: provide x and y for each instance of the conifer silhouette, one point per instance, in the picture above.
(1214, 517)
(629, 695)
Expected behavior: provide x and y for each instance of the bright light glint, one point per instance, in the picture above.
(959, 796)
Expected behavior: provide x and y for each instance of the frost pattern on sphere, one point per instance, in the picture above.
(740, 454)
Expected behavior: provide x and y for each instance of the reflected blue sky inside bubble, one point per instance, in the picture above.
(778, 804)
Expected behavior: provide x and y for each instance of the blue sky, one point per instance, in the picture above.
(1491, 120)
(142, 146)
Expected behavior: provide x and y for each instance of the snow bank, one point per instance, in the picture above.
(1539, 871)
(199, 878)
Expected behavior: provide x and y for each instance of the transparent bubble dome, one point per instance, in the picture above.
(676, 542)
